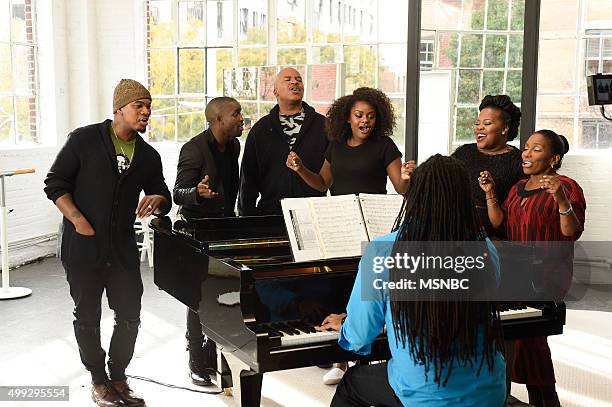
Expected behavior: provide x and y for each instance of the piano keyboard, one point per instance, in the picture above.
(293, 333)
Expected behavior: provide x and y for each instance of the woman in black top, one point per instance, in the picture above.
(497, 124)
(361, 154)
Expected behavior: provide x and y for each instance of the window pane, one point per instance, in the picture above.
(162, 72)
(163, 120)
(469, 87)
(359, 21)
(606, 66)
(518, 15)
(447, 15)
(191, 23)
(6, 76)
(514, 83)
(464, 123)
(497, 15)
(495, 51)
(26, 119)
(253, 21)
(448, 44)
(563, 78)
(471, 51)
(360, 67)
(219, 22)
(291, 56)
(19, 21)
(252, 56)
(598, 10)
(4, 21)
(606, 51)
(191, 71)
(326, 28)
(191, 119)
(515, 53)
(23, 64)
(161, 30)
(291, 22)
(392, 68)
(323, 83)
(558, 18)
(399, 106)
(592, 47)
(267, 74)
(393, 21)
(242, 83)
(592, 67)
(325, 55)
(217, 60)
(250, 115)
(6, 118)
(493, 83)
(473, 16)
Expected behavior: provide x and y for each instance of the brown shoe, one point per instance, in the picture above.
(129, 397)
(105, 395)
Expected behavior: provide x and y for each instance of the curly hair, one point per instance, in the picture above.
(511, 114)
(337, 125)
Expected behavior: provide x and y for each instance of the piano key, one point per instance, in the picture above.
(519, 312)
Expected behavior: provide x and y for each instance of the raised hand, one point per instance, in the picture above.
(552, 185)
(294, 161)
(407, 169)
(204, 189)
(486, 182)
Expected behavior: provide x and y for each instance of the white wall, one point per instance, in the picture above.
(85, 47)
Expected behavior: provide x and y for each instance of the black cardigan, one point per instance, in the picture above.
(86, 167)
(263, 170)
(195, 161)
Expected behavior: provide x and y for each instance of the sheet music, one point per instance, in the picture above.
(339, 225)
(379, 212)
(302, 231)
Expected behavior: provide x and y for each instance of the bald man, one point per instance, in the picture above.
(291, 125)
(206, 186)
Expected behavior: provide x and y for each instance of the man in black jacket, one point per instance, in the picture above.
(292, 125)
(95, 182)
(206, 186)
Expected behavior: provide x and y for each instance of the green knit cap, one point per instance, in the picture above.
(127, 91)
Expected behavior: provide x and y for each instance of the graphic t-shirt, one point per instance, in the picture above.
(291, 125)
(124, 151)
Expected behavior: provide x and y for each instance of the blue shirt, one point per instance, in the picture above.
(365, 321)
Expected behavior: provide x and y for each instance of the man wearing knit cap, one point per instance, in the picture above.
(95, 182)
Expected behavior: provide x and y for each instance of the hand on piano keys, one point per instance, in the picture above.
(332, 321)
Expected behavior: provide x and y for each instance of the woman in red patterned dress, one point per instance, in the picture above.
(544, 207)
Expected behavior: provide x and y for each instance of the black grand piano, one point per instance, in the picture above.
(260, 306)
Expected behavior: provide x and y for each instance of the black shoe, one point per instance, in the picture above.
(200, 378)
(130, 398)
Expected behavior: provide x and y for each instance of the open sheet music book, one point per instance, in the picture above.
(335, 226)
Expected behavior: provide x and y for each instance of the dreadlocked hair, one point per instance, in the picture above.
(336, 123)
(438, 207)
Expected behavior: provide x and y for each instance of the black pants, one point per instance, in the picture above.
(197, 341)
(366, 385)
(123, 291)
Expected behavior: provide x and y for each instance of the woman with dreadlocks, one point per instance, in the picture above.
(444, 353)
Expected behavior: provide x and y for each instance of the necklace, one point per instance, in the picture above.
(129, 159)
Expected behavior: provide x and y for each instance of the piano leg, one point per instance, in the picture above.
(224, 373)
(509, 356)
(250, 388)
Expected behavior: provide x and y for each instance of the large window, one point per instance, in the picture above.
(18, 87)
(191, 42)
(479, 45)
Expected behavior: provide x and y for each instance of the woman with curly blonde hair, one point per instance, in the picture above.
(361, 154)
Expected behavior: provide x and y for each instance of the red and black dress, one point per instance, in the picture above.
(534, 216)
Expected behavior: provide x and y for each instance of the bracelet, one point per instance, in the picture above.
(495, 202)
(567, 212)
(492, 197)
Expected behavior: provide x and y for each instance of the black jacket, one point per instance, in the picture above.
(86, 167)
(195, 161)
(263, 170)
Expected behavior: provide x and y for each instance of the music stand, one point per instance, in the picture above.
(8, 292)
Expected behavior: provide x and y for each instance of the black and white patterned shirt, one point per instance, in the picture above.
(291, 125)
